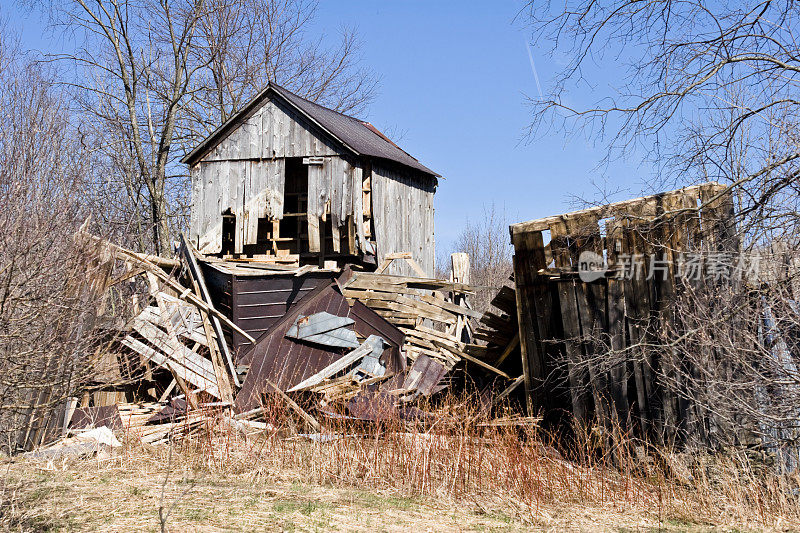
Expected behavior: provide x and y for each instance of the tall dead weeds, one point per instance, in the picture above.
(520, 470)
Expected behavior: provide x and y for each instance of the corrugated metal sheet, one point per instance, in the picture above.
(286, 362)
(326, 329)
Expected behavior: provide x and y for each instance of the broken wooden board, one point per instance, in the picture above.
(372, 343)
(192, 369)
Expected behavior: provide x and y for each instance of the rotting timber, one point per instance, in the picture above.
(587, 344)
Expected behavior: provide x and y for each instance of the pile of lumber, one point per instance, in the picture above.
(177, 427)
(498, 332)
(135, 415)
(181, 330)
(432, 332)
(434, 315)
(405, 300)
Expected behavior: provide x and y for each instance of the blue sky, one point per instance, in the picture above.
(455, 76)
(454, 81)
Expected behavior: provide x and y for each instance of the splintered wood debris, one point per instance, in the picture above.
(359, 346)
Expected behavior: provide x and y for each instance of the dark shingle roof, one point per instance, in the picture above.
(362, 138)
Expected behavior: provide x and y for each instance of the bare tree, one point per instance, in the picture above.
(48, 306)
(709, 93)
(487, 243)
(154, 76)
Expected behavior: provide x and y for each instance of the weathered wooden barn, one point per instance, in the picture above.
(286, 180)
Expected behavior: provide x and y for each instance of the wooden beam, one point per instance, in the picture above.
(162, 262)
(310, 420)
(511, 388)
(190, 254)
(165, 394)
(334, 368)
(604, 211)
(485, 365)
(510, 348)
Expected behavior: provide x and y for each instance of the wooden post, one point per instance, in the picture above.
(532, 308)
(616, 326)
(223, 382)
(190, 254)
(459, 273)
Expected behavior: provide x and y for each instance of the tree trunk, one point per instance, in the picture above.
(160, 220)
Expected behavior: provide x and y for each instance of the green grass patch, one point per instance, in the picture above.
(293, 506)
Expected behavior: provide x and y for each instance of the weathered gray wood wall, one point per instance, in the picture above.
(245, 173)
(250, 189)
(402, 205)
(273, 131)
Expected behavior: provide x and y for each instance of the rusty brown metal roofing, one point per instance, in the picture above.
(286, 362)
(357, 136)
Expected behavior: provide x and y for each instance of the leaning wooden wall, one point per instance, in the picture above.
(402, 214)
(585, 345)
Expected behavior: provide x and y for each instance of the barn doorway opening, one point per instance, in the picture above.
(228, 232)
(293, 238)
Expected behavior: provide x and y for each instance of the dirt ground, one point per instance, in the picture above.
(92, 495)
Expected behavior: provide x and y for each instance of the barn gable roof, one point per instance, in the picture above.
(359, 137)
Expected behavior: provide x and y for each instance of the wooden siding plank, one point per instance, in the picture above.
(399, 201)
(313, 207)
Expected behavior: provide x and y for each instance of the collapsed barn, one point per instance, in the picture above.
(306, 278)
(306, 272)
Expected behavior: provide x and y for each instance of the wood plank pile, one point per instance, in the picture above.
(254, 267)
(180, 426)
(180, 331)
(422, 329)
(498, 332)
(135, 415)
(434, 315)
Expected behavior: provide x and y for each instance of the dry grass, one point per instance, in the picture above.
(448, 476)
(125, 493)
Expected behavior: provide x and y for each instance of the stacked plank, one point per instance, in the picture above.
(408, 303)
(424, 309)
(136, 415)
(181, 330)
(404, 301)
(137, 420)
(342, 388)
(163, 338)
(498, 332)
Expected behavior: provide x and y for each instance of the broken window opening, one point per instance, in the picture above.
(228, 232)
